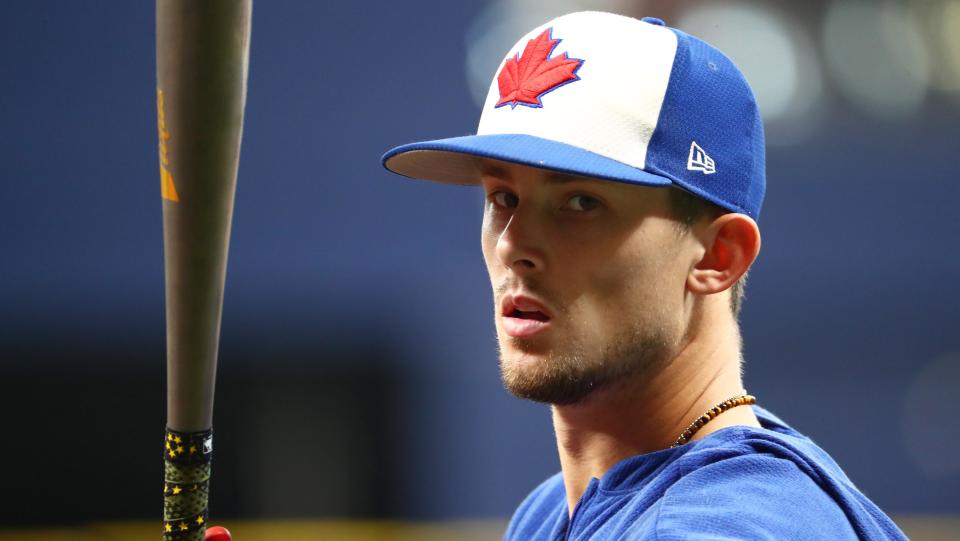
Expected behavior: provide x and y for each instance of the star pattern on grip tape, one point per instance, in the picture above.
(177, 490)
(184, 526)
(200, 520)
(188, 449)
(167, 527)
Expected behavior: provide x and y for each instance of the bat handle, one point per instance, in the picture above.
(186, 484)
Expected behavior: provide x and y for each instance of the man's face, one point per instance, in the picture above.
(588, 279)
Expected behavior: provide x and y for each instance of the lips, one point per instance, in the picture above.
(523, 316)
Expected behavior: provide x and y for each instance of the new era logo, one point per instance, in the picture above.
(699, 161)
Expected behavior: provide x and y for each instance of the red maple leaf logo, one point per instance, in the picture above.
(528, 76)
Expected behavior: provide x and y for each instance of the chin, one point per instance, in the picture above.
(546, 376)
(529, 385)
(525, 346)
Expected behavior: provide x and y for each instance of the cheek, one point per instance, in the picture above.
(630, 286)
(593, 281)
(605, 270)
(488, 245)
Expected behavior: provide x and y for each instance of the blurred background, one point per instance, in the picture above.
(358, 376)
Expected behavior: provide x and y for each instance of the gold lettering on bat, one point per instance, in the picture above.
(168, 190)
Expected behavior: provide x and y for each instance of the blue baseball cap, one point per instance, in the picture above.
(616, 98)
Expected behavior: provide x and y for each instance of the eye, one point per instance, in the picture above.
(581, 203)
(504, 199)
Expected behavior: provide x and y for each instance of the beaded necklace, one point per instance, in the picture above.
(712, 413)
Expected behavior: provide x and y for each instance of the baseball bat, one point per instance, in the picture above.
(202, 59)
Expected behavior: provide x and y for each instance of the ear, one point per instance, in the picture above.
(731, 244)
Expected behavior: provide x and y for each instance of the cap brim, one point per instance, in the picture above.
(458, 160)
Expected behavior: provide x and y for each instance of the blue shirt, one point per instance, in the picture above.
(737, 483)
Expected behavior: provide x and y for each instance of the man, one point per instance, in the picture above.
(623, 166)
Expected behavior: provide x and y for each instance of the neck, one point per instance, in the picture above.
(646, 414)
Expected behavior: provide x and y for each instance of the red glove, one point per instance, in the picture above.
(217, 533)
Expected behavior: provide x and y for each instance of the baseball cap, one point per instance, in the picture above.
(612, 97)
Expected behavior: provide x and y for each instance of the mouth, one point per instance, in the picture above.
(523, 316)
(535, 315)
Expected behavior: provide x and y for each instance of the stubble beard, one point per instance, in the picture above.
(568, 375)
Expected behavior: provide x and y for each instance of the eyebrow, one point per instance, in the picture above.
(562, 178)
(553, 177)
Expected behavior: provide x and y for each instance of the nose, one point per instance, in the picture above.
(521, 245)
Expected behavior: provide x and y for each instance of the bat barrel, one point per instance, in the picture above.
(202, 56)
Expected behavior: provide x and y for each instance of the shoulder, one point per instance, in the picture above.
(541, 511)
(750, 496)
(774, 483)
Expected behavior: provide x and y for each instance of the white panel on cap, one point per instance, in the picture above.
(613, 109)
